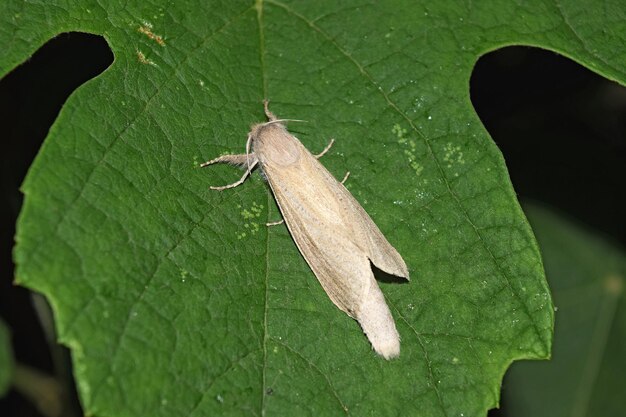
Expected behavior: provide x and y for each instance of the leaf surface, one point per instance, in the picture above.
(177, 300)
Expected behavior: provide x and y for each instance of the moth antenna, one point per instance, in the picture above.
(272, 117)
(284, 120)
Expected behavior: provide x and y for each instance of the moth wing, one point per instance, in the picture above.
(363, 231)
(341, 266)
(338, 239)
(378, 249)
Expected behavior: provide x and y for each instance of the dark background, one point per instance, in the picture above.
(561, 128)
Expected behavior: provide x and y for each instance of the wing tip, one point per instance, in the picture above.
(377, 323)
(388, 349)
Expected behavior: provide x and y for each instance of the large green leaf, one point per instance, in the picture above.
(176, 300)
(586, 375)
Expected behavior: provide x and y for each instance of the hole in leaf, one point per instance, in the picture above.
(31, 97)
(562, 130)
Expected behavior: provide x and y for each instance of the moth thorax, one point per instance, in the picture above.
(278, 147)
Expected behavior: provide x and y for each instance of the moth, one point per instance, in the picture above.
(333, 232)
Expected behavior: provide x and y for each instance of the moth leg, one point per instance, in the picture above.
(234, 184)
(345, 177)
(242, 159)
(330, 144)
(271, 116)
(275, 223)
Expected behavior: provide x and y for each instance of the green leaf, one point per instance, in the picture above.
(585, 376)
(6, 359)
(176, 300)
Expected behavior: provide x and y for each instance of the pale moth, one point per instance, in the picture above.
(332, 231)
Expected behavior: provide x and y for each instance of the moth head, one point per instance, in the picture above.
(258, 129)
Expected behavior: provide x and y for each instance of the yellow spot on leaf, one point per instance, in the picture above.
(452, 155)
(250, 215)
(146, 29)
(142, 58)
(409, 148)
